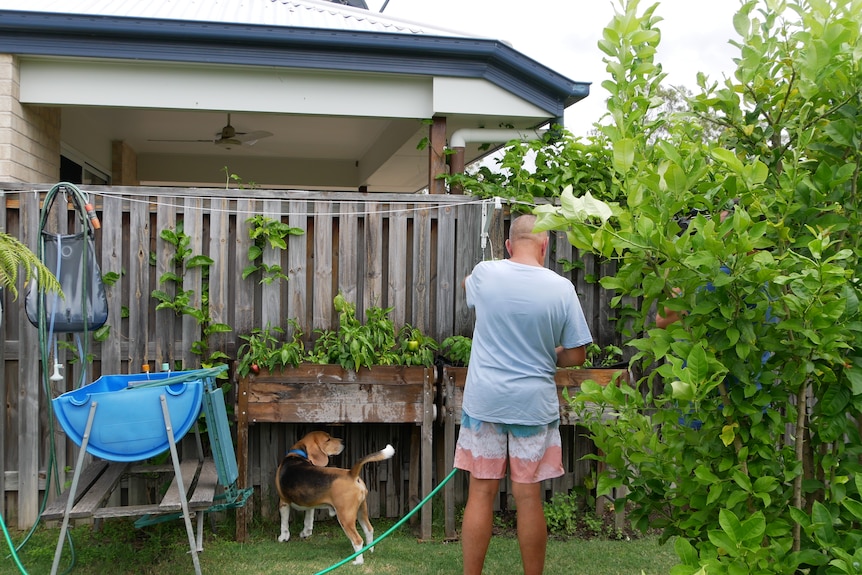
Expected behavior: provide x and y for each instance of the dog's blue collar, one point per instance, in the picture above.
(298, 452)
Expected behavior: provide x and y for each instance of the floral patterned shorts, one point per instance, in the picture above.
(532, 452)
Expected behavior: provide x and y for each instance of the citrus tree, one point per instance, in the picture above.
(742, 439)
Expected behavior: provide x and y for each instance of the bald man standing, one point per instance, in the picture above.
(529, 321)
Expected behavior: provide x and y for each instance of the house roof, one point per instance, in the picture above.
(304, 13)
(168, 70)
(293, 33)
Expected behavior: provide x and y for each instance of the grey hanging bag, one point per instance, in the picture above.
(72, 260)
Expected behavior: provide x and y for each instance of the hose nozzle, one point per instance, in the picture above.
(91, 213)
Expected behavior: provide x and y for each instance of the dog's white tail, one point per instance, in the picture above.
(381, 455)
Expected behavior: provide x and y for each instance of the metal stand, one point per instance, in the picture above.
(71, 502)
(194, 545)
(183, 497)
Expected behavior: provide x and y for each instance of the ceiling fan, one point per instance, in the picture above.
(228, 137)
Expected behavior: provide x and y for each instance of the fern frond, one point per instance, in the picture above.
(15, 255)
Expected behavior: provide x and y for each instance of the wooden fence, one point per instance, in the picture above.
(408, 252)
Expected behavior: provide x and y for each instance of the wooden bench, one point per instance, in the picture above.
(99, 480)
(329, 394)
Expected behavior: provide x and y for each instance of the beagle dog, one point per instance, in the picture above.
(304, 482)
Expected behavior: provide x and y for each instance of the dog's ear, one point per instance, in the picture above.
(316, 453)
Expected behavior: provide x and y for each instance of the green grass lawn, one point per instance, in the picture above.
(118, 548)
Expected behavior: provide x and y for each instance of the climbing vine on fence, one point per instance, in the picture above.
(183, 259)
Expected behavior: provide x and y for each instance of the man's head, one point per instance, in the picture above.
(523, 242)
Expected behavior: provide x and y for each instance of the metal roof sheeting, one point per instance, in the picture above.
(294, 13)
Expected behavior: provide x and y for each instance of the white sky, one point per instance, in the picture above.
(563, 35)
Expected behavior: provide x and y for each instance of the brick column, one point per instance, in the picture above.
(29, 135)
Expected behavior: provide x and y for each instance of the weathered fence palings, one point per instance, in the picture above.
(409, 252)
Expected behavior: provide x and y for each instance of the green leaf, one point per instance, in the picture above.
(799, 516)
(685, 551)
(756, 173)
(730, 525)
(698, 364)
(624, 155)
(607, 484)
(741, 23)
(199, 261)
(675, 180)
(278, 243)
(753, 529)
(219, 328)
(248, 271)
(724, 542)
(160, 295)
(822, 522)
(682, 390)
(580, 209)
(170, 276)
(715, 491)
(705, 475)
(853, 506)
(728, 158)
(102, 333)
(834, 400)
(728, 433)
(169, 236)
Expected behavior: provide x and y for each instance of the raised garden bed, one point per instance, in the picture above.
(330, 394)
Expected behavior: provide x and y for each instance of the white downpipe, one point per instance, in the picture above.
(460, 137)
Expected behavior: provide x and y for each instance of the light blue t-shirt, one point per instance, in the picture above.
(523, 313)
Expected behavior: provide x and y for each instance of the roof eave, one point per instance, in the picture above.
(50, 34)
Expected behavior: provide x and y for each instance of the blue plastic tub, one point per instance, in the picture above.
(129, 424)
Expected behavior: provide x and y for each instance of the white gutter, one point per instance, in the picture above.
(460, 138)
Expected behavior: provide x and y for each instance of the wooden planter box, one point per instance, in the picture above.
(453, 380)
(329, 394)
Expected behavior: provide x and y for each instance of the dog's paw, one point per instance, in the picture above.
(359, 560)
(284, 537)
(305, 533)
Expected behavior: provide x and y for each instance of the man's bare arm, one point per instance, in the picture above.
(572, 356)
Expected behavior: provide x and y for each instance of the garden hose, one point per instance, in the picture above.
(88, 221)
(11, 545)
(394, 527)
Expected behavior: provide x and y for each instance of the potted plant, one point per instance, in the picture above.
(355, 345)
(263, 350)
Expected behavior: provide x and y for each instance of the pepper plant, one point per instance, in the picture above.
(455, 350)
(414, 347)
(262, 349)
(355, 344)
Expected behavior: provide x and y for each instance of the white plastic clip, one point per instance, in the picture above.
(486, 225)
